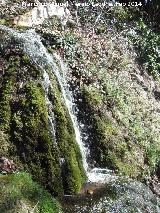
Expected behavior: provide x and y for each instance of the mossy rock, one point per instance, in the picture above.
(24, 118)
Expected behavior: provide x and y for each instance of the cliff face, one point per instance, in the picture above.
(115, 88)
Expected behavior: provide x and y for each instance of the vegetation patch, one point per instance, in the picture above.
(19, 193)
(115, 98)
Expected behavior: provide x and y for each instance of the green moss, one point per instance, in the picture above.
(72, 169)
(6, 90)
(24, 116)
(107, 148)
(73, 178)
(152, 153)
(30, 134)
(20, 194)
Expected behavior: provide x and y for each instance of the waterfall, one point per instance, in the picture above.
(33, 47)
(121, 194)
(51, 118)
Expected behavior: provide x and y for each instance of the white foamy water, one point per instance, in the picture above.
(101, 175)
(33, 47)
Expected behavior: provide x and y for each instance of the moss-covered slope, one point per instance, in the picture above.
(24, 123)
(20, 194)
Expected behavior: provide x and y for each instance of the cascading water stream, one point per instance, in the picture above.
(96, 174)
(51, 119)
(33, 47)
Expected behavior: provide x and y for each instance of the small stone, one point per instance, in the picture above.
(90, 191)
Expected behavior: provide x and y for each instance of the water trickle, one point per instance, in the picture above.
(51, 117)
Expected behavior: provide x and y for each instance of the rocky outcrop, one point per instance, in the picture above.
(42, 11)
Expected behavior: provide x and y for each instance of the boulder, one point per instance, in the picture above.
(7, 166)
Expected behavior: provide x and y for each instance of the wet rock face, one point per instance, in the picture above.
(90, 192)
(90, 188)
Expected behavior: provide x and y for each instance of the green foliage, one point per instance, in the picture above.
(151, 156)
(71, 46)
(20, 194)
(147, 44)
